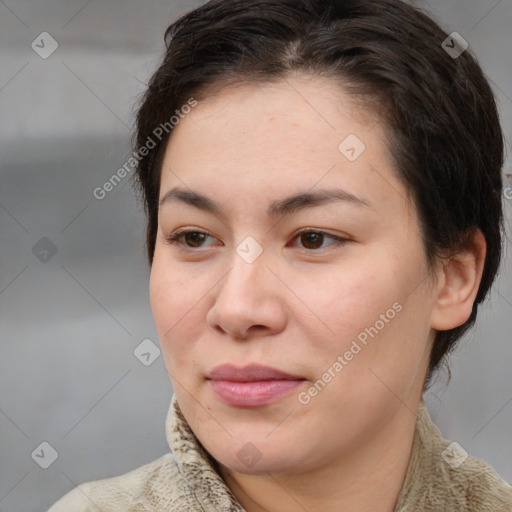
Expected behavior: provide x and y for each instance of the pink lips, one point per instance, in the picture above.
(252, 385)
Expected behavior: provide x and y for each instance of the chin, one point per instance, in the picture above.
(256, 466)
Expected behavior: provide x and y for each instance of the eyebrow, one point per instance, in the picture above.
(279, 208)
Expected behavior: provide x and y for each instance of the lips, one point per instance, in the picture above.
(252, 385)
(252, 372)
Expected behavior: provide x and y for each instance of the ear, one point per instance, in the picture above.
(458, 283)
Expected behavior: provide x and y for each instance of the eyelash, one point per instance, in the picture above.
(174, 238)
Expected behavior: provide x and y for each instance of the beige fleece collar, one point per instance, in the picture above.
(436, 479)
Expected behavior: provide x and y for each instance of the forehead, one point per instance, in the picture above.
(291, 121)
(319, 100)
(278, 138)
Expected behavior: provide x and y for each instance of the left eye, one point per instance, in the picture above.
(314, 239)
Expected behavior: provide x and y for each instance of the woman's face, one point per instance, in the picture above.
(349, 321)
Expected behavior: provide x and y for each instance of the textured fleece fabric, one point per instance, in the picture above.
(186, 480)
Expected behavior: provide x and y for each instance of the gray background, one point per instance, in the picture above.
(69, 326)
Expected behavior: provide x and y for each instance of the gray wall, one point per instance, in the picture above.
(70, 321)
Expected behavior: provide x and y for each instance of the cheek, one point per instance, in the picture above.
(345, 302)
(366, 314)
(163, 293)
(383, 355)
(176, 306)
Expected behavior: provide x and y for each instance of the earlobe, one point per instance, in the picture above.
(459, 284)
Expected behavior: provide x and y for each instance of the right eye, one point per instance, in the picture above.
(192, 238)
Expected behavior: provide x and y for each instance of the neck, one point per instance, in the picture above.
(368, 478)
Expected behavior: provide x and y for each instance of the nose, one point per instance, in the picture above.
(249, 300)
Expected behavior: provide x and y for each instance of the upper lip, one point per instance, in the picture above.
(249, 373)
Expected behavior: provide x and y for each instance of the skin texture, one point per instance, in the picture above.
(302, 302)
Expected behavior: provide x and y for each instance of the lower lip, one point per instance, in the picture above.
(252, 394)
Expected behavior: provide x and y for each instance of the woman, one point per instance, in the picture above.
(323, 192)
